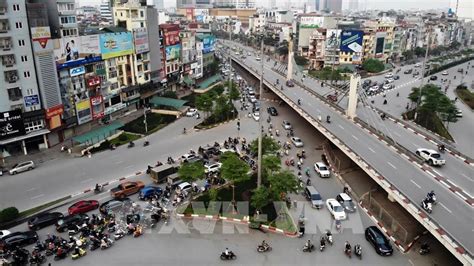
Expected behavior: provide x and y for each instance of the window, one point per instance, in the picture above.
(18, 25)
(16, 7)
(142, 25)
(21, 42)
(14, 94)
(24, 58)
(26, 74)
(141, 14)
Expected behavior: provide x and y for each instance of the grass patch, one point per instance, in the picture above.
(284, 221)
(465, 95)
(429, 121)
(39, 208)
(214, 119)
(154, 123)
(123, 138)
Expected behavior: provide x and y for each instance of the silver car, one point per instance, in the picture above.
(22, 167)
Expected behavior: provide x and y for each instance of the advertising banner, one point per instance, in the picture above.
(140, 36)
(31, 100)
(83, 111)
(351, 41)
(116, 44)
(76, 48)
(208, 44)
(333, 38)
(40, 36)
(171, 38)
(173, 52)
(92, 82)
(53, 115)
(311, 22)
(77, 71)
(97, 107)
(11, 124)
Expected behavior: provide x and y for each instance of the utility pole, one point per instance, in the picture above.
(230, 56)
(259, 160)
(289, 74)
(423, 66)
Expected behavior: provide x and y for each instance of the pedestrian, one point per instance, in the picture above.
(456, 99)
(408, 105)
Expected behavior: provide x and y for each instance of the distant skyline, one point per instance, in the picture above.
(466, 6)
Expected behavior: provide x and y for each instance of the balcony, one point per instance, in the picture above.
(11, 76)
(8, 61)
(4, 26)
(6, 44)
(3, 7)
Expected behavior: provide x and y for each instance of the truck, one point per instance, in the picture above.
(126, 188)
(160, 173)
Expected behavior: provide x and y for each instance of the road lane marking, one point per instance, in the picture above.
(31, 189)
(341, 127)
(38, 196)
(442, 205)
(371, 150)
(355, 137)
(411, 180)
(119, 162)
(86, 181)
(436, 172)
(467, 177)
(397, 134)
(129, 166)
(393, 166)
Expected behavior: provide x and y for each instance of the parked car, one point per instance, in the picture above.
(433, 78)
(445, 73)
(378, 240)
(111, 205)
(126, 188)
(460, 70)
(432, 157)
(297, 142)
(290, 83)
(336, 210)
(4, 233)
(22, 167)
(387, 86)
(346, 202)
(18, 239)
(257, 58)
(191, 112)
(212, 168)
(256, 116)
(272, 111)
(314, 197)
(148, 191)
(390, 80)
(184, 187)
(322, 169)
(190, 158)
(459, 113)
(44, 219)
(408, 71)
(286, 125)
(75, 219)
(83, 206)
(389, 75)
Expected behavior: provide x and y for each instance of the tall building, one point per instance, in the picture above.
(62, 17)
(332, 5)
(193, 4)
(353, 5)
(105, 10)
(158, 4)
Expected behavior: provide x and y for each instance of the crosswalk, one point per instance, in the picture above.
(395, 88)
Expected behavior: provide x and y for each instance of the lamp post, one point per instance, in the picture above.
(259, 161)
(423, 70)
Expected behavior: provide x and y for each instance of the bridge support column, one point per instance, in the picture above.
(289, 74)
(390, 198)
(352, 106)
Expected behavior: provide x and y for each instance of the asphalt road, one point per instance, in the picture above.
(455, 215)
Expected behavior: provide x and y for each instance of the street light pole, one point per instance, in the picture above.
(423, 73)
(259, 161)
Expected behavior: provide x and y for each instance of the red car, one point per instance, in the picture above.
(83, 206)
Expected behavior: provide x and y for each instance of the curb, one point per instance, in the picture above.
(215, 125)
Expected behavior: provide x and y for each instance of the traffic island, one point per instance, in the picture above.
(466, 96)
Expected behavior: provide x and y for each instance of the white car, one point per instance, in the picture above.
(256, 116)
(389, 75)
(387, 86)
(432, 157)
(390, 80)
(286, 125)
(212, 168)
(458, 113)
(22, 167)
(417, 65)
(4, 233)
(322, 169)
(184, 187)
(297, 142)
(252, 99)
(336, 210)
(445, 73)
(191, 112)
(258, 58)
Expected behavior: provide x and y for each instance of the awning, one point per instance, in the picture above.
(27, 136)
(98, 134)
(188, 81)
(209, 81)
(162, 101)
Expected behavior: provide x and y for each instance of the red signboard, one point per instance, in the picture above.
(92, 82)
(171, 38)
(97, 107)
(54, 111)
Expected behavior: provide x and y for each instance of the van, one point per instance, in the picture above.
(314, 197)
(160, 173)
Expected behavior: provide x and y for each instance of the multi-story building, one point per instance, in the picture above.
(105, 10)
(257, 23)
(171, 52)
(190, 65)
(207, 42)
(62, 17)
(305, 25)
(317, 48)
(279, 16)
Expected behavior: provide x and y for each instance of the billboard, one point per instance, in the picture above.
(333, 38)
(77, 71)
(11, 124)
(140, 37)
(97, 107)
(31, 100)
(173, 52)
(69, 49)
(83, 110)
(208, 43)
(351, 41)
(116, 44)
(94, 81)
(311, 22)
(53, 116)
(40, 37)
(171, 38)
(379, 44)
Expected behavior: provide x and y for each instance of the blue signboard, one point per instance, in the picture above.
(208, 44)
(351, 41)
(77, 71)
(31, 100)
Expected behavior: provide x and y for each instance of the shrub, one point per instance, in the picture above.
(122, 137)
(9, 214)
(373, 65)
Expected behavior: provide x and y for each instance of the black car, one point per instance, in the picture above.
(433, 78)
(111, 205)
(379, 241)
(272, 111)
(396, 77)
(18, 239)
(408, 71)
(44, 219)
(75, 219)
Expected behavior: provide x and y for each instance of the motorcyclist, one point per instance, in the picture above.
(441, 147)
(308, 244)
(131, 144)
(227, 252)
(322, 242)
(328, 118)
(299, 101)
(59, 251)
(328, 235)
(425, 247)
(357, 249)
(430, 196)
(264, 244)
(184, 130)
(347, 246)
(97, 187)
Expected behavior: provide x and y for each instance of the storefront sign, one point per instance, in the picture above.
(83, 109)
(77, 71)
(93, 81)
(54, 111)
(31, 100)
(11, 124)
(97, 107)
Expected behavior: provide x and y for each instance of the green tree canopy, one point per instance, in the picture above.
(301, 60)
(271, 164)
(234, 169)
(420, 51)
(282, 183)
(373, 65)
(269, 146)
(204, 103)
(191, 172)
(260, 198)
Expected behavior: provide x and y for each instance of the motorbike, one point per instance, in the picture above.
(131, 144)
(358, 252)
(424, 250)
(78, 253)
(307, 248)
(427, 206)
(119, 233)
(60, 257)
(329, 237)
(328, 119)
(38, 259)
(146, 143)
(231, 256)
(263, 248)
(322, 246)
(441, 148)
(348, 252)
(138, 231)
(106, 243)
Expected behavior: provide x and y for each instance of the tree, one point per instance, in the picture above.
(204, 103)
(260, 198)
(373, 65)
(271, 164)
(269, 146)
(234, 170)
(455, 45)
(191, 172)
(214, 67)
(301, 60)
(408, 54)
(420, 51)
(282, 183)
(234, 93)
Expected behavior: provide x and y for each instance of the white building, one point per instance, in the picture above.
(106, 11)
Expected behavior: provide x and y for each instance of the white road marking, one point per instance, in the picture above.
(392, 165)
(442, 205)
(341, 127)
(467, 177)
(436, 172)
(371, 150)
(38, 196)
(411, 180)
(31, 189)
(129, 166)
(355, 137)
(86, 181)
(397, 134)
(119, 162)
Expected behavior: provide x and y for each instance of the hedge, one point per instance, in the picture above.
(9, 214)
(450, 65)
